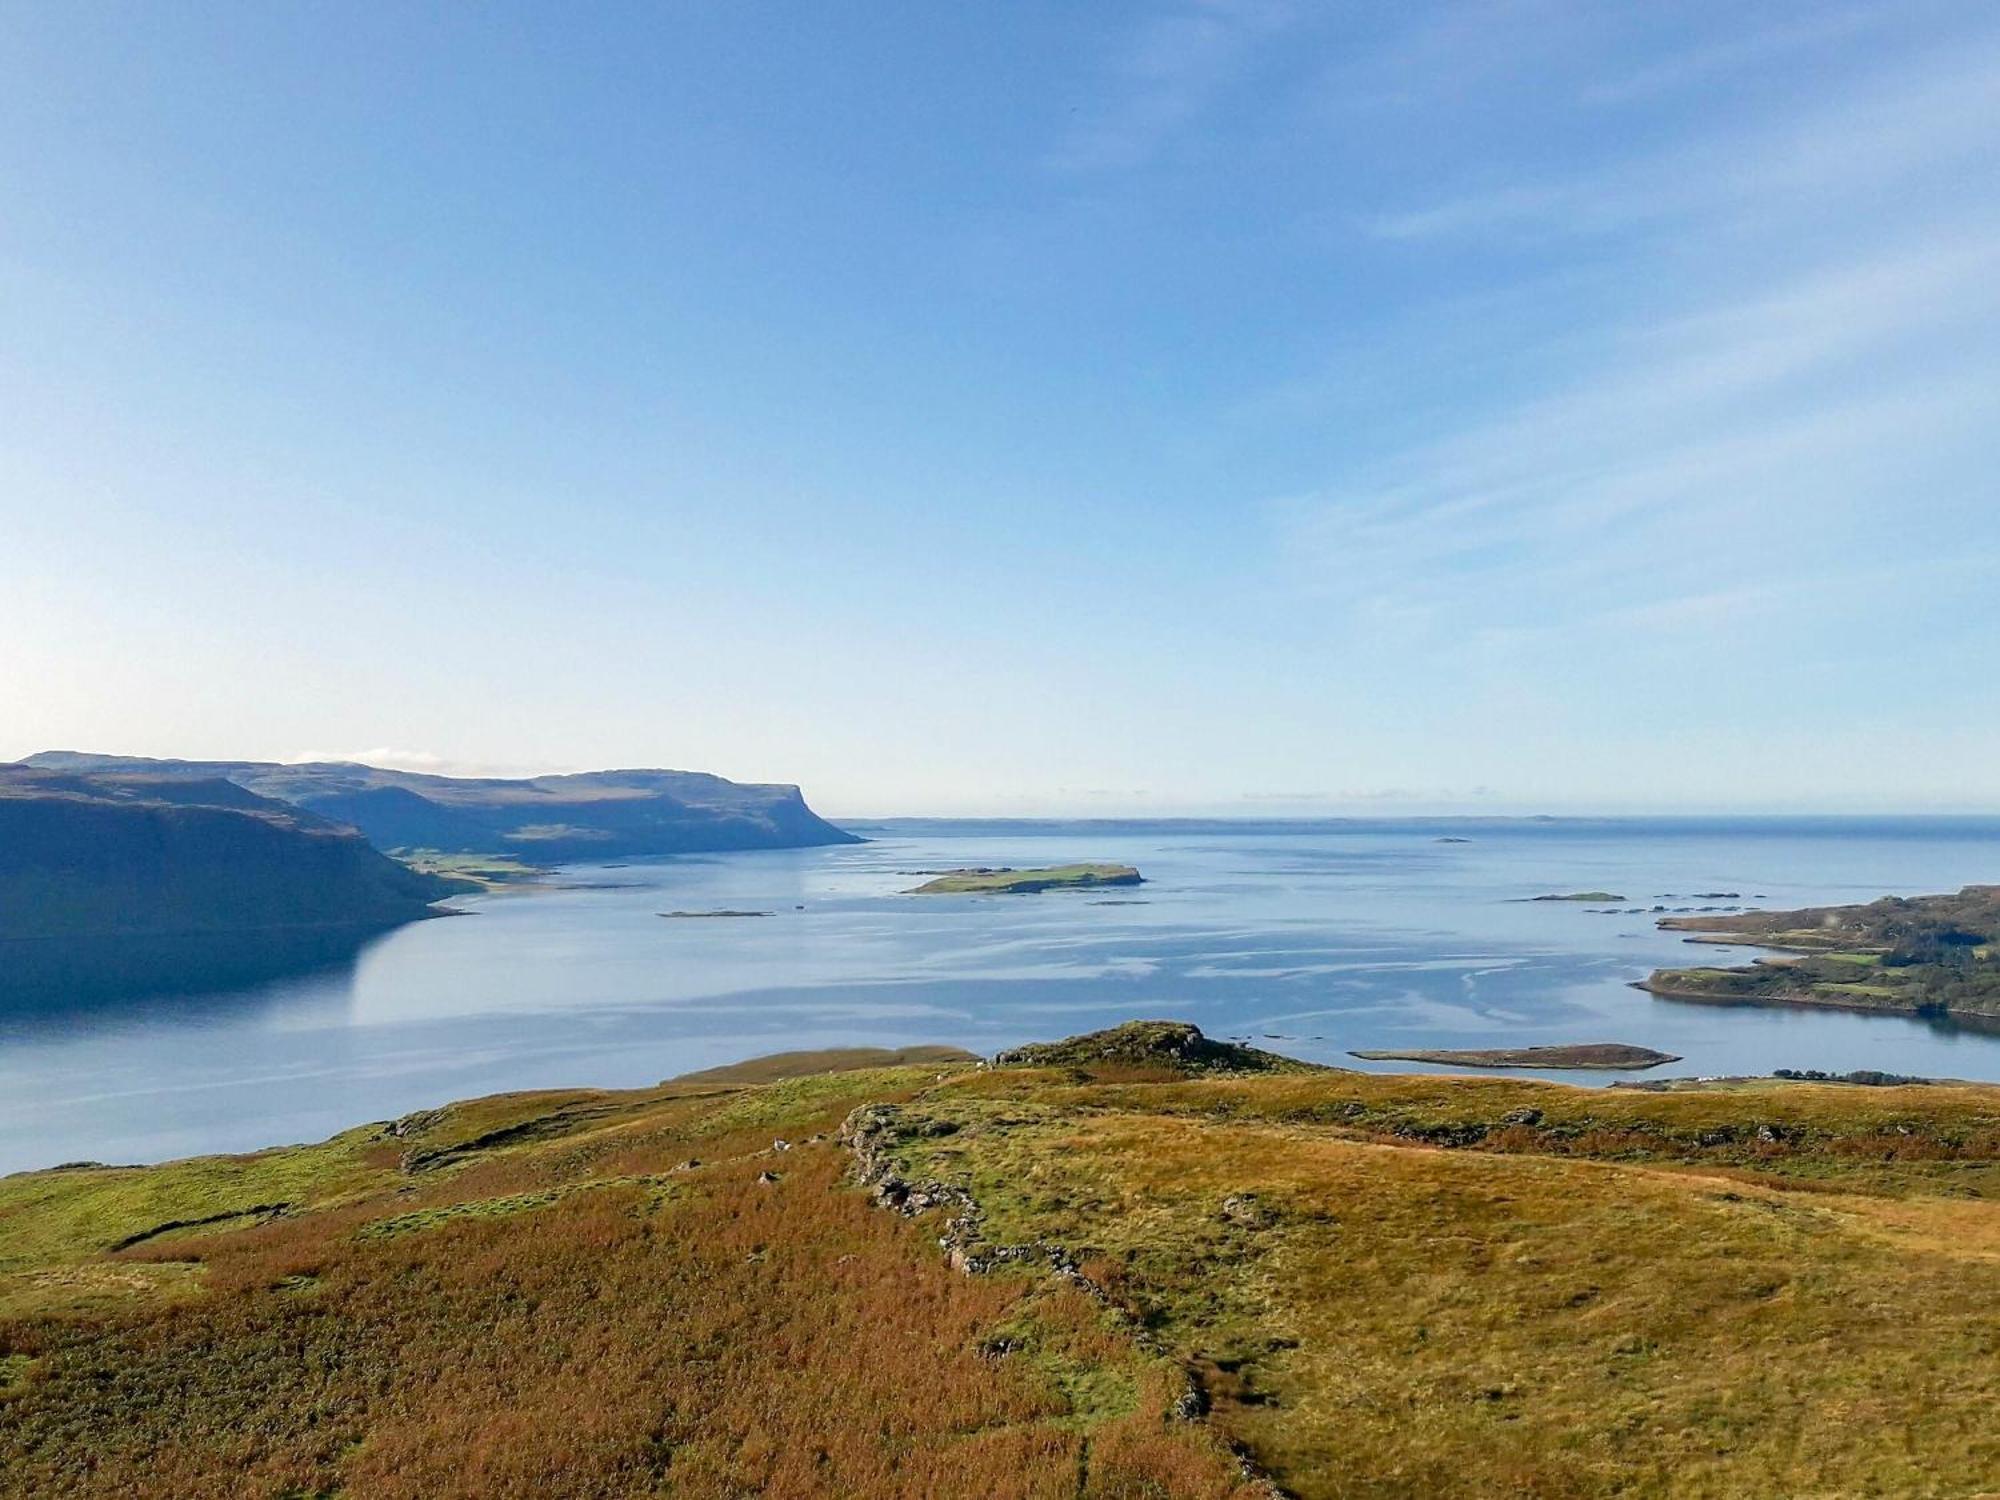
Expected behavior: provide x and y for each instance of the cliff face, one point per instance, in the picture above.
(127, 855)
(558, 819)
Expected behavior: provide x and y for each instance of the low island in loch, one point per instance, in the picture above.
(1001, 880)
(1610, 1055)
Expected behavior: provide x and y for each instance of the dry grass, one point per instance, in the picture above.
(572, 1310)
(1381, 1318)
(1389, 1287)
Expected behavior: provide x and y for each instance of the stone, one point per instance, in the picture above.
(1246, 1212)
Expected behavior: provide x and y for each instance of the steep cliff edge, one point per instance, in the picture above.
(547, 819)
(85, 856)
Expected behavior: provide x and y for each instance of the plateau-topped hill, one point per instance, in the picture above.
(1136, 1264)
(557, 819)
(128, 855)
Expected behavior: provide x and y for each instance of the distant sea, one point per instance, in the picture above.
(1306, 937)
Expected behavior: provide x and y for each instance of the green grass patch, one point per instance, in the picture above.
(14, 1370)
(490, 870)
(66, 1214)
(807, 1102)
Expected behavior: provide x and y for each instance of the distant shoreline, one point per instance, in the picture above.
(1790, 825)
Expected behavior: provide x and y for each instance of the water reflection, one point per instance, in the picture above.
(47, 983)
(1938, 1025)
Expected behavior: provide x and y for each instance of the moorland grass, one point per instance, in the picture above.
(573, 1304)
(1381, 1286)
(1381, 1317)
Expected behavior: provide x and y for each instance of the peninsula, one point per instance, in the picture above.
(1936, 956)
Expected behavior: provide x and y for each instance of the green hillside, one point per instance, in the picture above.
(1141, 1267)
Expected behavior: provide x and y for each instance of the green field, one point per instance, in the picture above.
(486, 870)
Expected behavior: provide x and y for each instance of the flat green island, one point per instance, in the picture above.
(1617, 1055)
(1934, 956)
(990, 880)
(1581, 896)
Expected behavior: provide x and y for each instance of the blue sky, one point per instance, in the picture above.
(1233, 407)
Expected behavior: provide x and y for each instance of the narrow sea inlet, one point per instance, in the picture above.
(1311, 941)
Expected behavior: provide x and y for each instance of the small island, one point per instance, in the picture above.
(1616, 1055)
(1581, 896)
(991, 880)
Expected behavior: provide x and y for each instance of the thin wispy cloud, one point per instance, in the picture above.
(1907, 130)
(1796, 355)
(1761, 46)
(1616, 361)
(1167, 73)
(1748, 452)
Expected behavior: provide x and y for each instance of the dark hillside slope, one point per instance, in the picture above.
(596, 815)
(94, 856)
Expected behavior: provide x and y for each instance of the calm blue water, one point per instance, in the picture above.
(1325, 940)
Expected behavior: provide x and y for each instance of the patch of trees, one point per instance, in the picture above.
(1870, 1077)
(1918, 943)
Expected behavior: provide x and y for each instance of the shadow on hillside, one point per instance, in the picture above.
(1937, 1023)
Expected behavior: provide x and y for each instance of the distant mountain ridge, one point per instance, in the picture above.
(127, 855)
(554, 819)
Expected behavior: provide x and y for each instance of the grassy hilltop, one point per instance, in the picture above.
(1137, 1264)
